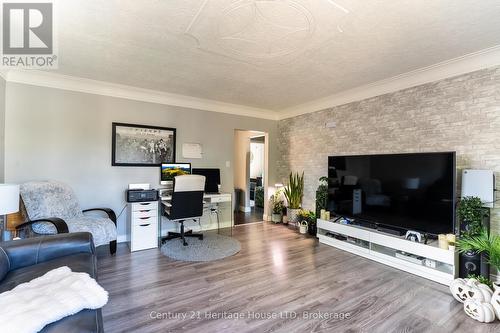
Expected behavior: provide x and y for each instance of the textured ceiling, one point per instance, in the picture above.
(270, 54)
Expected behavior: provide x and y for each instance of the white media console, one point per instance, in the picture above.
(428, 261)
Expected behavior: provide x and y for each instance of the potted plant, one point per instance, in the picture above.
(470, 212)
(303, 220)
(484, 243)
(293, 194)
(277, 208)
(307, 220)
(322, 195)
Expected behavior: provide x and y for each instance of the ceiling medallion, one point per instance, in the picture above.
(265, 32)
(265, 29)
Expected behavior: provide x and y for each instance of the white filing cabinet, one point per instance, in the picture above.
(143, 225)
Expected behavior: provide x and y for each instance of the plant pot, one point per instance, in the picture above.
(303, 227)
(293, 215)
(313, 229)
(276, 218)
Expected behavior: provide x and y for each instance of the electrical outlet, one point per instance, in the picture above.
(430, 263)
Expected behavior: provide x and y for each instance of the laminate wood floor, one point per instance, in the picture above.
(255, 215)
(277, 273)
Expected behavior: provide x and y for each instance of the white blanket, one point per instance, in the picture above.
(59, 293)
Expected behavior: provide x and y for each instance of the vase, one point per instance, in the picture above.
(313, 230)
(276, 218)
(303, 227)
(293, 215)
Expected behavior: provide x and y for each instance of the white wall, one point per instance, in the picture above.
(257, 159)
(66, 136)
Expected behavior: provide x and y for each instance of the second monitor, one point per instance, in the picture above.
(212, 178)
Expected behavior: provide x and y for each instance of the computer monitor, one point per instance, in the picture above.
(170, 170)
(212, 179)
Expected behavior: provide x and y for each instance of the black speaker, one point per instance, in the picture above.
(473, 263)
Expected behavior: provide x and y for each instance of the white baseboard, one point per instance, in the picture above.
(245, 209)
(122, 239)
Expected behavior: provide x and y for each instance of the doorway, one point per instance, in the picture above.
(250, 176)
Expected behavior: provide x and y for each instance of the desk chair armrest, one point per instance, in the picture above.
(61, 226)
(111, 213)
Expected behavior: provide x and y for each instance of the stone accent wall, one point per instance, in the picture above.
(459, 114)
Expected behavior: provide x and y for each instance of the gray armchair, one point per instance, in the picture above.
(52, 208)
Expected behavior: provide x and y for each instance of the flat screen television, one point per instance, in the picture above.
(403, 191)
(169, 170)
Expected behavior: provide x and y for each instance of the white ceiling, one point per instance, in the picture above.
(267, 54)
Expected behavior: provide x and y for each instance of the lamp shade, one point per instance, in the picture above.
(9, 198)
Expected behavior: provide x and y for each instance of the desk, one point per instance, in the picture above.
(210, 200)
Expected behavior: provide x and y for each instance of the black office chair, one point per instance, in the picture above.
(186, 204)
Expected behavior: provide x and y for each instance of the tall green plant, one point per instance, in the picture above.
(322, 195)
(295, 190)
(470, 212)
(483, 242)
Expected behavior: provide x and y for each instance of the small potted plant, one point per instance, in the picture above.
(470, 211)
(293, 194)
(484, 243)
(312, 227)
(322, 195)
(277, 206)
(307, 219)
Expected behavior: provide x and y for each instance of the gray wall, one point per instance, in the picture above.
(2, 128)
(66, 136)
(459, 114)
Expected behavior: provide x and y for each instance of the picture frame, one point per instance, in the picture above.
(142, 145)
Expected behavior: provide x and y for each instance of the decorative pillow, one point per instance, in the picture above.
(50, 199)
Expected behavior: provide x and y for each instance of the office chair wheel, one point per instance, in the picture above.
(185, 243)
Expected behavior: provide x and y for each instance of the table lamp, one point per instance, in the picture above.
(9, 203)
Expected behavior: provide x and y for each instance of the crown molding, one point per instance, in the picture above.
(465, 64)
(468, 63)
(73, 83)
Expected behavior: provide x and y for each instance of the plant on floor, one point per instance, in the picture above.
(277, 206)
(481, 279)
(308, 217)
(470, 212)
(305, 215)
(293, 194)
(484, 242)
(259, 196)
(322, 195)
